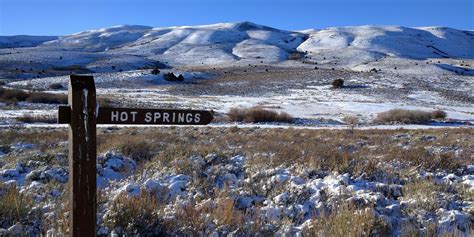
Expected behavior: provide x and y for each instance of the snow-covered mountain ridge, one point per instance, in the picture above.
(239, 40)
(131, 47)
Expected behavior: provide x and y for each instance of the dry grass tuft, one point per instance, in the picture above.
(14, 206)
(26, 118)
(347, 221)
(408, 116)
(352, 121)
(439, 114)
(258, 115)
(46, 98)
(12, 95)
(221, 212)
(15, 95)
(423, 195)
(134, 147)
(135, 215)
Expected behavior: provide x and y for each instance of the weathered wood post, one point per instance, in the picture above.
(82, 156)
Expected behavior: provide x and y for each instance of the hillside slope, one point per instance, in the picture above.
(129, 47)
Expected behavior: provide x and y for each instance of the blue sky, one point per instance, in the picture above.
(59, 17)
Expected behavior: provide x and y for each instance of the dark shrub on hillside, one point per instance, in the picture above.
(56, 86)
(405, 116)
(2, 83)
(155, 71)
(171, 77)
(258, 115)
(338, 83)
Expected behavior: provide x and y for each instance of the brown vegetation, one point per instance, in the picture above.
(439, 114)
(27, 118)
(135, 215)
(366, 152)
(338, 83)
(15, 95)
(408, 116)
(347, 220)
(258, 115)
(352, 121)
(330, 150)
(14, 206)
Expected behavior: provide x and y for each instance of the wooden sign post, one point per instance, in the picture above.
(82, 114)
(82, 156)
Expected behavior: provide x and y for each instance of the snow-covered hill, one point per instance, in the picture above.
(23, 41)
(129, 47)
(416, 43)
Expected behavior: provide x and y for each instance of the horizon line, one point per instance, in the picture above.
(237, 22)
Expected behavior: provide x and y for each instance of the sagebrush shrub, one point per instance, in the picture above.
(135, 216)
(439, 114)
(346, 220)
(404, 116)
(258, 115)
(155, 71)
(15, 95)
(47, 98)
(338, 83)
(136, 149)
(26, 118)
(171, 77)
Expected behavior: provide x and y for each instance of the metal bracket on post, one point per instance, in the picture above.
(81, 116)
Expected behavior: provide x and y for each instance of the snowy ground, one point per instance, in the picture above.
(304, 93)
(221, 181)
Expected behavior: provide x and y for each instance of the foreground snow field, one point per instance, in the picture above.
(247, 181)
